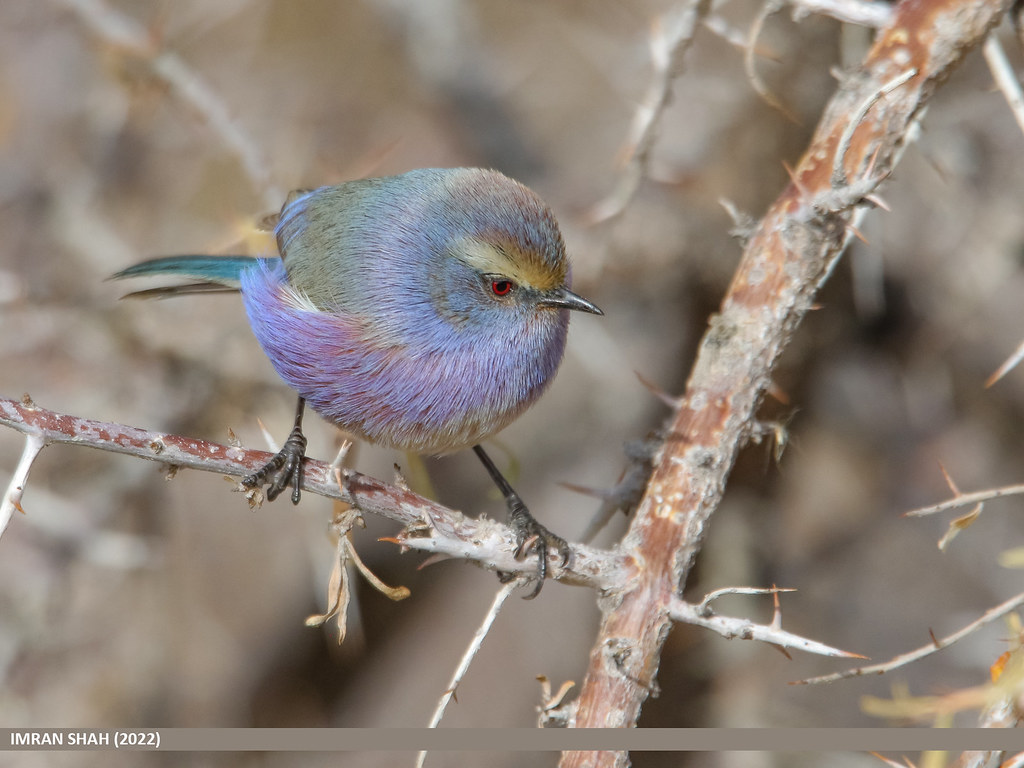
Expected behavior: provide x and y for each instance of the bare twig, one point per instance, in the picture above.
(429, 527)
(1006, 79)
(744, 629)
(926, 650)
(670, 39)
(1006, 367)
(467, 658)
(11, 501)
(788, 257)
(769, 8)
(996, 700)
(966, 499)
(127, 35)
(839, 178)
(867, 13)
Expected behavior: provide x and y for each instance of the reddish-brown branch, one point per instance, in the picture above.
(790, 254)
(428, 526)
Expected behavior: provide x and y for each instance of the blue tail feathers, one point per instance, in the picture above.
(214, 273)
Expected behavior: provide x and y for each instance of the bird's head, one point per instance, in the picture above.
(505, 263)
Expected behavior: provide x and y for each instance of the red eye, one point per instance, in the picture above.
(501, 287)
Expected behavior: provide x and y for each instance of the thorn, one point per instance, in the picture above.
(857, 233)
(1006, 367)
(777, 616)
(343, 449)
(267, 437)
(949, 481)
(778, 393)
(782, 650)
(340, 480)
(872, 160)
(804, 196)
(585, 490)
(671, 402)
(878, 202)
(743, 224)
(438, 557)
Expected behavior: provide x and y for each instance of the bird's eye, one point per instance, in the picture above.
(501, 287)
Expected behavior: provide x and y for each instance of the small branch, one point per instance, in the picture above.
(1011, 362)
(839, 179)
(769, 8)
(1003, 74)
(429, 527)
(125, 34)
(467, 658)
(966, 499)
(867, 13)
(744, 629)
(11, 501)
(997, 702)
(925, 650)
(671, 38)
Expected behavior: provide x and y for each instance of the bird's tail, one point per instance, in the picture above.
(216, 274)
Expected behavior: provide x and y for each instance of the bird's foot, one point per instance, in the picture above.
(531, 535)
(285, 467)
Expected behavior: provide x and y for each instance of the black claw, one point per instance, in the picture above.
(285, 467)
(530, 535)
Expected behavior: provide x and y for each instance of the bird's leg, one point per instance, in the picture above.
(529, 533)
(286, 465)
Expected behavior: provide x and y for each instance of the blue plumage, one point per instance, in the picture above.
(424, 311)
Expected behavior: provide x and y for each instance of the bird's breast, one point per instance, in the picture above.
(435, 391)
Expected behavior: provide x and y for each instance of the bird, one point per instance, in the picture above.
(422, 312)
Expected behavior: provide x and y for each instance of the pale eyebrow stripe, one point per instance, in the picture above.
(485, 258)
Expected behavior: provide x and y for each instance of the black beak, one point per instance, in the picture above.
(563, 298)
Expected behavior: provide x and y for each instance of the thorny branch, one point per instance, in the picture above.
(428, 526)
(960, 499)
(729, 627)
(474, 648)
(937, 644)
(790, 254)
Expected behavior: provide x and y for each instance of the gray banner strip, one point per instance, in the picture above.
(903, 740)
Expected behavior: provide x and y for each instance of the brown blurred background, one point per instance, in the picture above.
(128, 600)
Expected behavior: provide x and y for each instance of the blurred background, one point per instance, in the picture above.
(131, 599)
